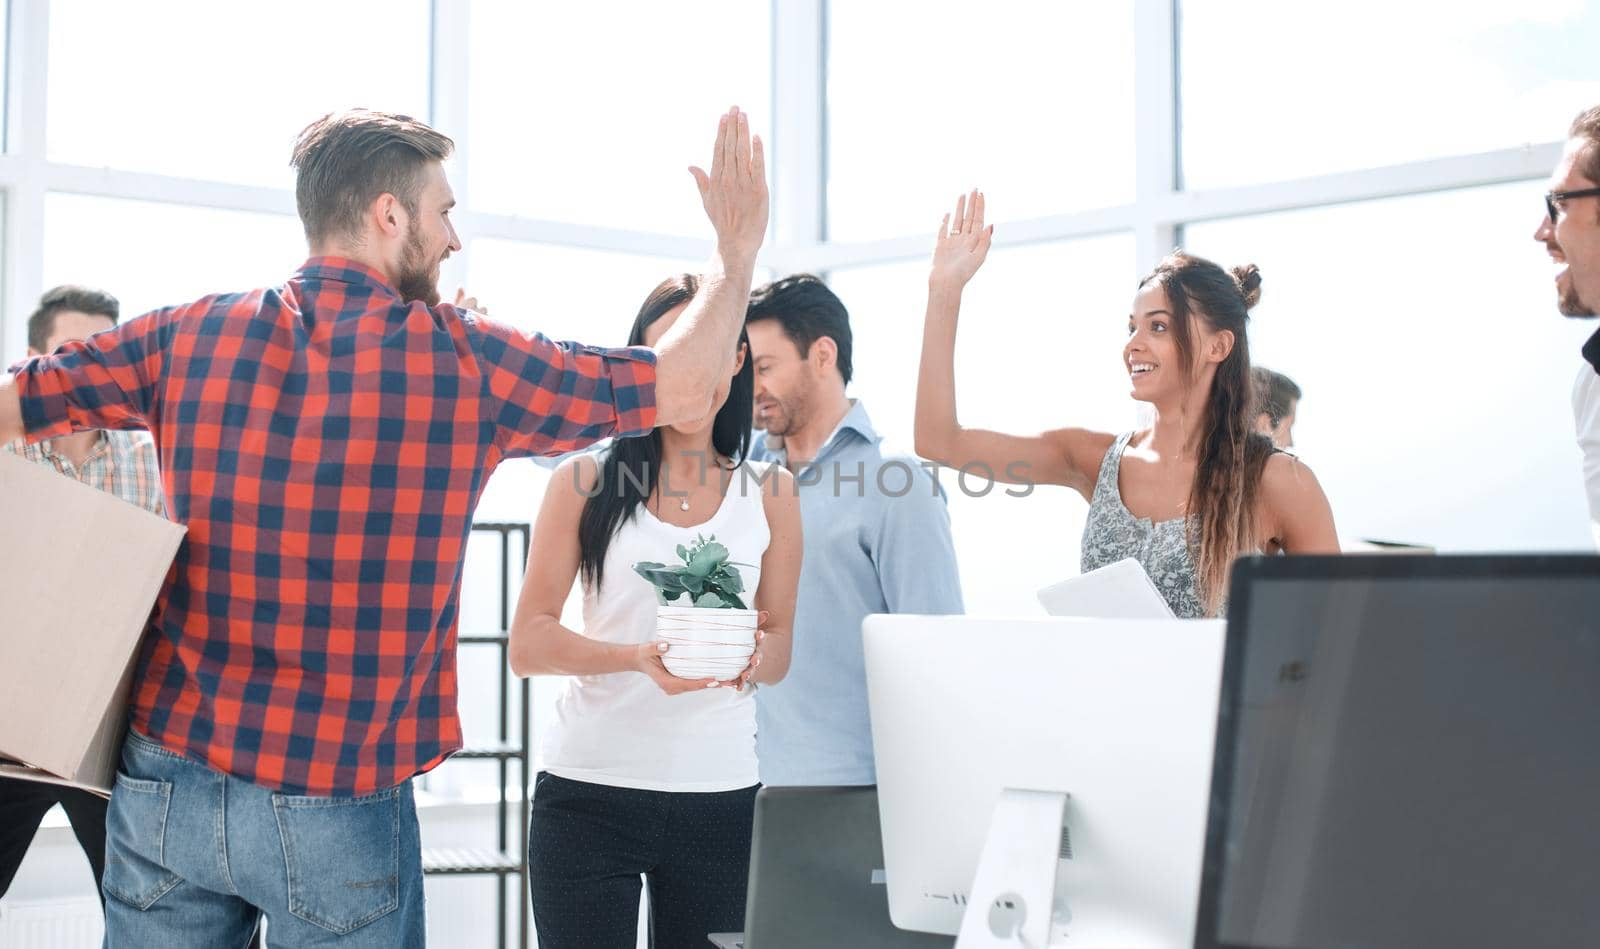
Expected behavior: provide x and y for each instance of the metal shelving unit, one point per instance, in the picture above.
(509, 862)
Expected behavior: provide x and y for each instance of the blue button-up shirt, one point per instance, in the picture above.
(877, 540)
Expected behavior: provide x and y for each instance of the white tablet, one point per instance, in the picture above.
(1120, 590)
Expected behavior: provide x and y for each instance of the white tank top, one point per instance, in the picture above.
(620, 729)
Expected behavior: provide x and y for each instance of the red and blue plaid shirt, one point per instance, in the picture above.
(326, 444)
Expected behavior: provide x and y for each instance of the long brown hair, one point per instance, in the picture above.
(1222, 500)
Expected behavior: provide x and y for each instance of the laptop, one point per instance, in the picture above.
(1405, 755)
(1121, 590)
(816, 875)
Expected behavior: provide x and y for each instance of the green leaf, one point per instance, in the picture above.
(710, 601)
(663, 575)
(730, 581)
(683, 554)
(707, 559)
(694, 584)
(667, 583)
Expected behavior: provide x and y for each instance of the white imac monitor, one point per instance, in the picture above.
(1118, 714)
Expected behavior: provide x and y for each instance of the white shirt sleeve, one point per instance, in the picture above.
(1586, 419)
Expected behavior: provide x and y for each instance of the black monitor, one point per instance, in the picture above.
(1408, 754)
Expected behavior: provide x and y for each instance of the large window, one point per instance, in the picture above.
(218, 90)
(1040, 343)
(1274, 90)
(590, 114)
(5, 91)
(567, 292)
(153, 255)
(1031, 101)
(1437, 373)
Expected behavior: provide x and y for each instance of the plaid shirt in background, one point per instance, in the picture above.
(326, 444)
(121, 463)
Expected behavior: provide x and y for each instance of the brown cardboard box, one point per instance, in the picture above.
(80, 570)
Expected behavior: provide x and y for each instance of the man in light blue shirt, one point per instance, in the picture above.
(877, 534)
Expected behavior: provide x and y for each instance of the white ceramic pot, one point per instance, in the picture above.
(706, 643)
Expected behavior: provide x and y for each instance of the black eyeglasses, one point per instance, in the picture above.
(1551, 197)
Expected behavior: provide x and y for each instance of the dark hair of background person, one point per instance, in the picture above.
(1276, 394)
(807, 310)
(42, 324)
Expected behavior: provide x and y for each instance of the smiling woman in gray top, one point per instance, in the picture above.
(1185, 496)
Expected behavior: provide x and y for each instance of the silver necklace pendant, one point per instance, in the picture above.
(683, 505)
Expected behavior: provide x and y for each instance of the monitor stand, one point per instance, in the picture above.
(1012, 902)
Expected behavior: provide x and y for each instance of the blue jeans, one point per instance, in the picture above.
(195, 857)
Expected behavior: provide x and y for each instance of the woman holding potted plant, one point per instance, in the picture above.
(1185, 496)
(645, 773)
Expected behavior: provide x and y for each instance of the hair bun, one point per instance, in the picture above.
(1248, 279)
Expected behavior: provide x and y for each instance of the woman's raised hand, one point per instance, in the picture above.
(962, 245)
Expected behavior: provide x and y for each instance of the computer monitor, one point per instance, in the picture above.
(1118, 714)
(1408, 754)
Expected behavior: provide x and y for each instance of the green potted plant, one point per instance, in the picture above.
(700, 611)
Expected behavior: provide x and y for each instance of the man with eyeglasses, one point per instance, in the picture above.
(1570, 232)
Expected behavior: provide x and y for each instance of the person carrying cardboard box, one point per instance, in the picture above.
(122, 464)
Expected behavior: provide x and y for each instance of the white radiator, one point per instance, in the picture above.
(51, 924)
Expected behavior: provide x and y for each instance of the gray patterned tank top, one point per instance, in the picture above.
(1112, 533)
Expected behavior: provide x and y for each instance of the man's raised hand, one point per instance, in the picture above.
(734, 192)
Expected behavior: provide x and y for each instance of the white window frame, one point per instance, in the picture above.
(798, 165)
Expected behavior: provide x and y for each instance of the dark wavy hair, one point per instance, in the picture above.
(1222, 499)
(629, 468)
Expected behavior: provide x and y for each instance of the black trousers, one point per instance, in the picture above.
(589, 844)
(23, 805)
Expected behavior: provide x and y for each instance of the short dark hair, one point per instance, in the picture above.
(345, 160)
(807, 310)
(67, 297)
(1587, 127)
(1276, 394)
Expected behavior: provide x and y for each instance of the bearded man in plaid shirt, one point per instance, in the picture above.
(325, 441)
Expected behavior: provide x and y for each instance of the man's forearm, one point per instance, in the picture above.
(700, 347)
(10, 412)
